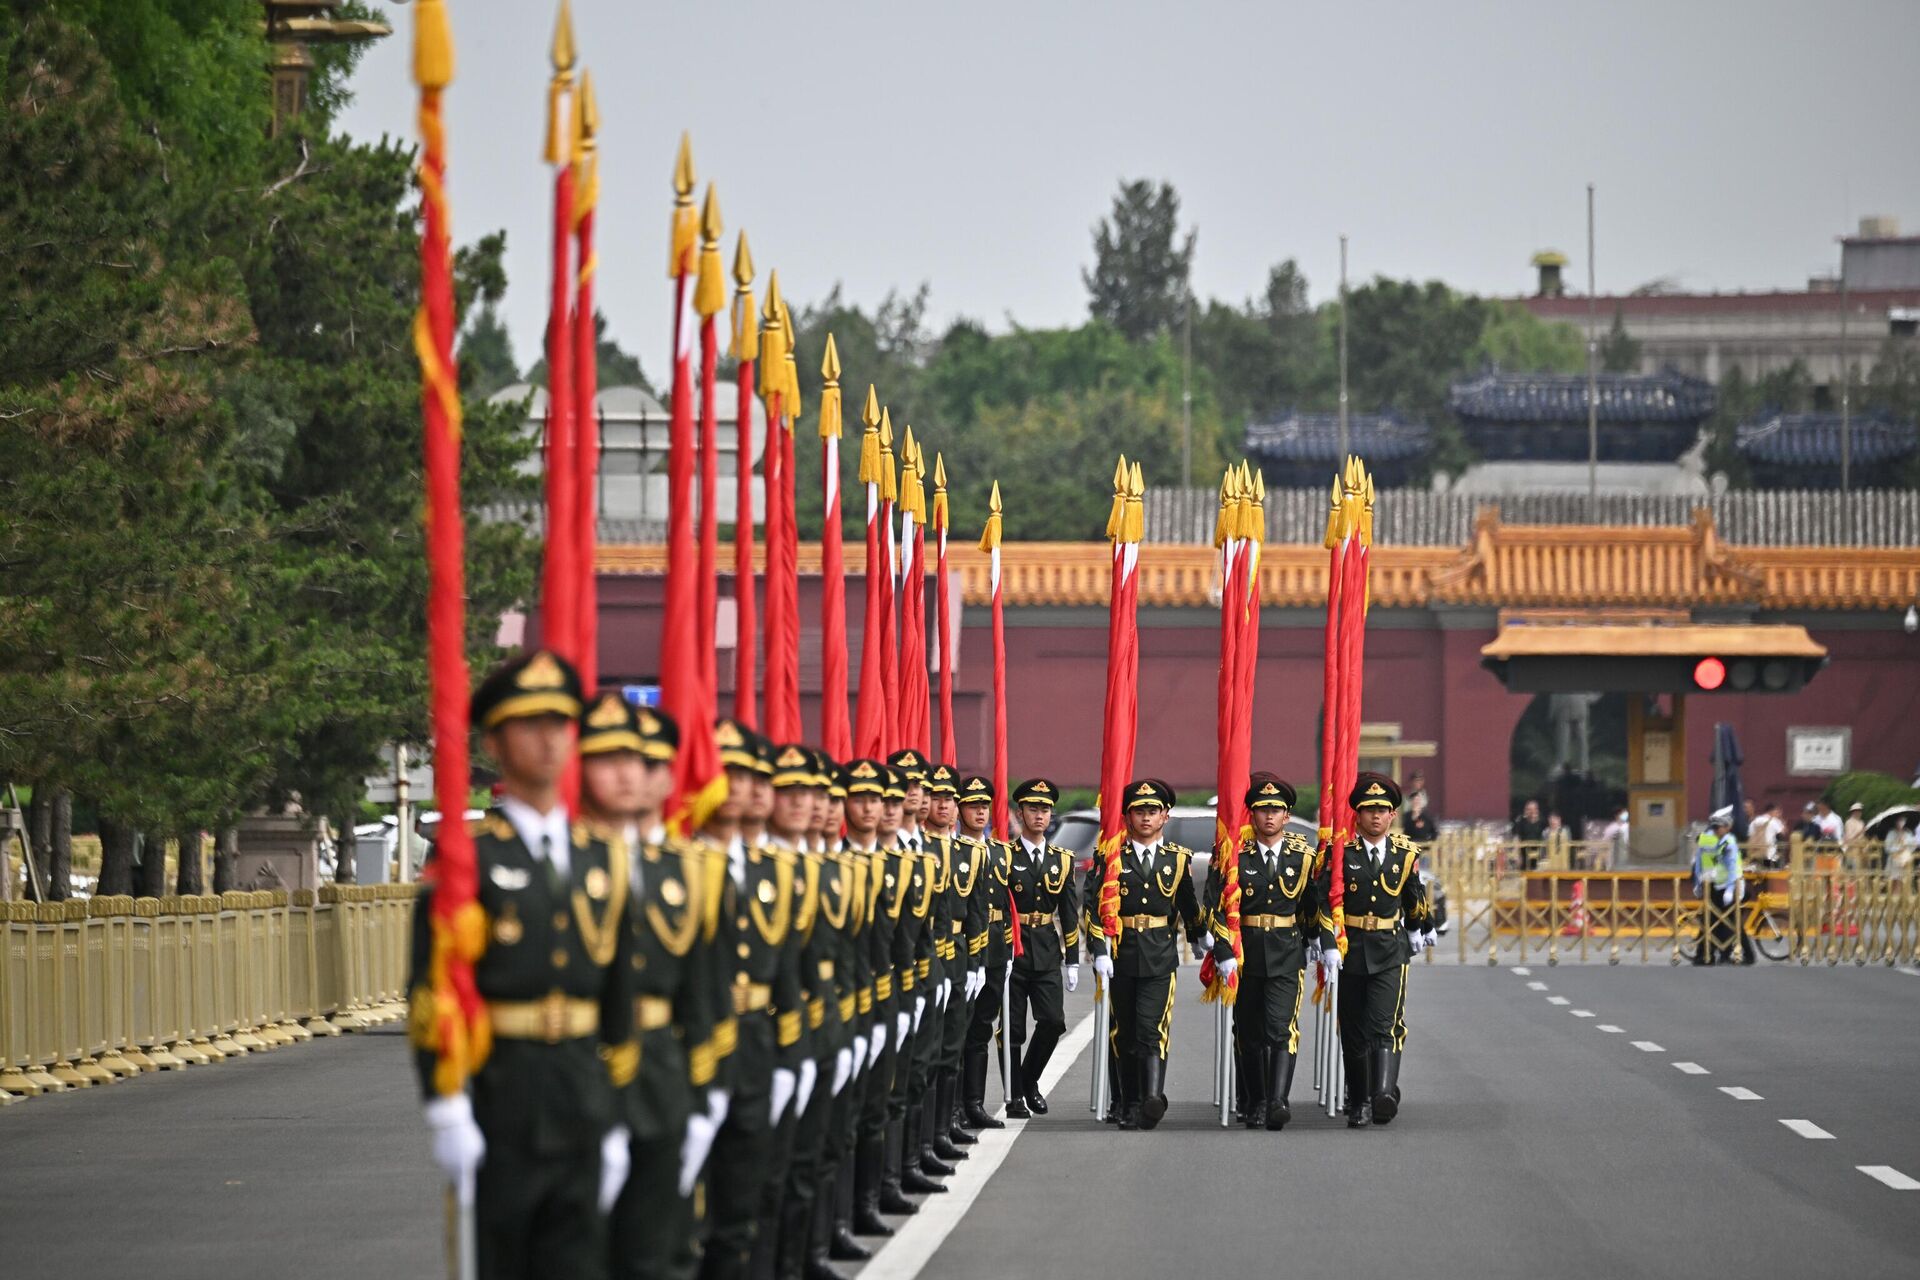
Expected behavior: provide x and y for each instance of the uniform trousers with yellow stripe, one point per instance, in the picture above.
(653, 1226)
(1142, 1015)
(1266, 1011)
(738, 1167)
(1373, 1009)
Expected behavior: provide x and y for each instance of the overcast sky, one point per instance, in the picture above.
(974, 145)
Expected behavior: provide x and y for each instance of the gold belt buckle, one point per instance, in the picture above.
(553, 1017)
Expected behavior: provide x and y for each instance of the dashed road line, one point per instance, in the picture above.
(1647, 1046)
(1522, 971)
(1740, 1093)
(1582, 1013)
(1890, 1176)
(1558, 1000)
(1807, 1129)
(1692, 1068)
(1610, 1029)
(1536, 986)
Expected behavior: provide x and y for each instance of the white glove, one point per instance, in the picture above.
(1418, 941)
(903, 1027)
(1330, 960)
(1432, 939)
(1226, 967)
(1073, 977)
(615, 1160)
(919, 1011)
(1007, 976)
(879, 1041)
(1313, 952)
(1103, 965)
(784, 1082)
(698, 1141)
(459, 1148)
(859, 1051)
(979, 981)
(842, 1071)
(1205, 943)
(809, 1076)
(946, 990)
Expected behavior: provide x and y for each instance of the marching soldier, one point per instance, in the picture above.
(961, 912)
(991, 941)
(1156, 896)
(914, 1167)
(768, 1004)
(539, 1133)
(1040, 876)
(843, 906)
(1278, 903)
(1388, 923)
(871, 824)
(682, 1007)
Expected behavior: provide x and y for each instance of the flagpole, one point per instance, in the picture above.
(871, 710)
(586, 430)
(943, 623)
(460, 1033)
(990, 543)
(745, 349)
(788, 656)
(836, 733)
(559, 583)
(915, 709)
(709, 298)
(1120, 722)
(890, 569)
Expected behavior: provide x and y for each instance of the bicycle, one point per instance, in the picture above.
(1764, 923)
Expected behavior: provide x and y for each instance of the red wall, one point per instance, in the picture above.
(1426, 678)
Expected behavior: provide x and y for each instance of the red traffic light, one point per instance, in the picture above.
(1709, 673)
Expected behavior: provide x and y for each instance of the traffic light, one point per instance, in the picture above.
(1709, 674)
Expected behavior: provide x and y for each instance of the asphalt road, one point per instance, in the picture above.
(1533, 1142)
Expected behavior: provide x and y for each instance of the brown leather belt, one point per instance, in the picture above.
(751, 997)
(1267, 922)
(652, 1013)
(1143, 922)
(549, 1020)
(1374, 922)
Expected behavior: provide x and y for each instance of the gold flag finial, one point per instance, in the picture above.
(1117, 512)
(710, 285)
(830, 415)
(889, 485)
(990, 536)
(1334, 532)
(686, 224)
(746, 334)
(789, 349)
(586, 162)
(1223, 518)
(563, 59)
(941, 516)
(870, 438)
(432, 45)
(1133, 523)
(773, 348)
(939, 472)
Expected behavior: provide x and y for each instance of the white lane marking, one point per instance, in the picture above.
(1740, 1093)
(917, 1238)
(1582, 1013)
(1522, 971)
(1890, 1176)
(1647, 1046)
(1610, 1029)
(1692, 1068)
(1536, 986)
(1807, 1129)
(1558, 1000)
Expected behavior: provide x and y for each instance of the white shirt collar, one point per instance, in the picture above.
(547, 834)
(1270, 850)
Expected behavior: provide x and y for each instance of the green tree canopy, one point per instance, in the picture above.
(1141, 262)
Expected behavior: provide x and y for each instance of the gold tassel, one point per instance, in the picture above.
(432, 45)
(830, 417)
(710, 285)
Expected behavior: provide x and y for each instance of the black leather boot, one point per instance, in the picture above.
(891, 1199)
(1016, 1096)
(951, 1121)
(1279, 1085)
(841, 1246)
(1386, 1085)
(927, 1132)
(940, 1121)
(1153, 1098)
(973, 1066)
(912, 1180)
(1039, 1053)
(870, 1159)
(792, 1249)
(1251, 1077)
(1127, 1100)
(820, 1236)
(1359, 1088)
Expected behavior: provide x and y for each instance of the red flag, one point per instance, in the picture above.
(783, 685)
(1124, 526)
(586, 370)
(990, 543)
(699, 783)
(746, 347)
(709, 296)
(890, 572)
(460, 1033)
(560, 573)
(1230, 768)
(836, 732)
(782, 622)
(870, 713)
(915, 713)
(943, 624)
(1349, 528)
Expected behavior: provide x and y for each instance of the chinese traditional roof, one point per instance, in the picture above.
(1813, 440)
(1666, 397)
(1296, 436)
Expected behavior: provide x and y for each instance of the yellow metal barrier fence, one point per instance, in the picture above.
(95, 991)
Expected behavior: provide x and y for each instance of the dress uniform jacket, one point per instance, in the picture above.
(1280, 907)
(1380, 905)
(1152, 909)
(769, 1002)
(683, 1003)
(1044, 891)
(556, 976)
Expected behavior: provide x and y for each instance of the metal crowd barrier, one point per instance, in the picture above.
(1828, 902)
(95, 991)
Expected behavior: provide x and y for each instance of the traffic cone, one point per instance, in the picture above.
(1577, 917)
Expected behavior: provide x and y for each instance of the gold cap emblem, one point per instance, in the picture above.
(541, 672)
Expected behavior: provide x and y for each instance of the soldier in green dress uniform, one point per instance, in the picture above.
(683, 1009)
(1388, 922)
(769, 1004)
(1156, 899)
(912, 955)
(961, 862)
(992, 942)
(1041, 878)
(539, 1131)
(1279, 907)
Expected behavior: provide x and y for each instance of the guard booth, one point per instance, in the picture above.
(1667, 661)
